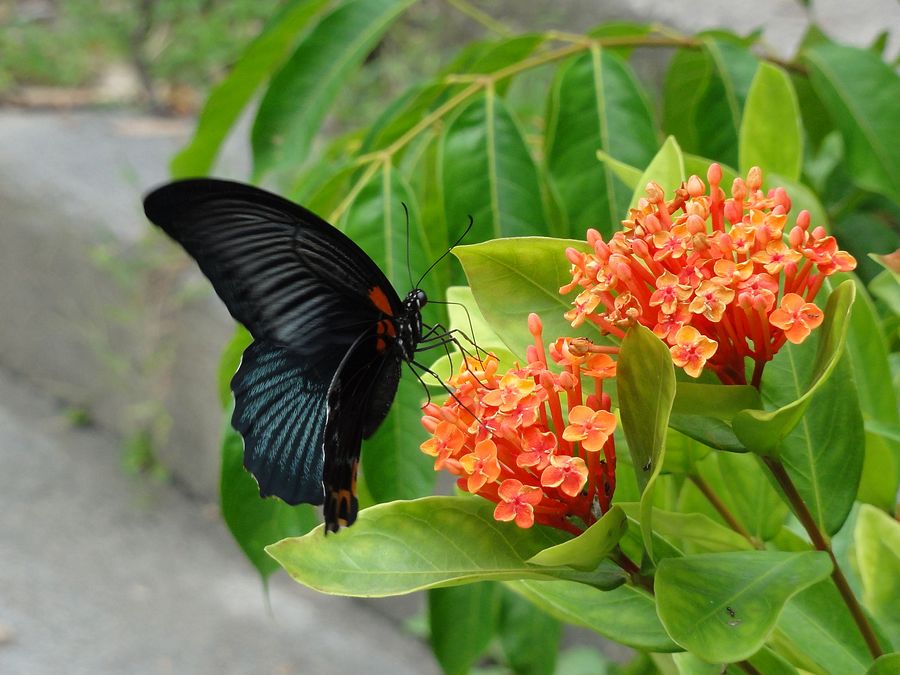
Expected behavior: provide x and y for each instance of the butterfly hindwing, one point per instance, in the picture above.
(359, 399)
(287, 275)
(280, 409)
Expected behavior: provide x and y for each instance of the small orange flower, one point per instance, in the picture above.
(481, 465)
(511, 391)
(518, 502)
(447, 441)
(591, 427)
(569, 474)
(796, 317)
(669, 293)
(692, 350)
(539, 446)
(710, 300)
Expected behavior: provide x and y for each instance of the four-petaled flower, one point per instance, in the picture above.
(481, 465)
(591, 427)
(796, 317)
(518, 502)
(569, 474)
(692, 350)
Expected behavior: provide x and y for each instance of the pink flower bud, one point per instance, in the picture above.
(535, 326)
(798, 235)
(593, 236)
(803, 219)
(695, 224)
(782, 199)
(655, 193)
(754, 178)
(575, 256)
(651, 224)
(819, 233)
(739, 190)
(714, 175)
(695, 186)
(733, 211)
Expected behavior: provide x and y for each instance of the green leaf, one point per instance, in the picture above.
(529, 637)
(587, 550)
(770, 133)
(868, 355)
(742, 485)
(463, 620)
(722, 606)
(888, 664)
(717, 115)
(666, 169)
(255, 522)
(877, 540)
(228, 98)
(762, 431)
(861, 92)
(229, 362)
(815, 629)
(402, 547)
(646, 387)
(301, 92)
(694, 416)
(625, 614)
(596, 103)
(686, 82)
(489, 174)
(705, 534)
(626, 173)
(510, 278)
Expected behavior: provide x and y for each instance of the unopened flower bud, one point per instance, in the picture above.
(695, 186)
(714, 175)
(754, 178)
(803, 219)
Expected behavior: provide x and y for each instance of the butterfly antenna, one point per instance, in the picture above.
(471, 336)
(408, 270)
(445, 253)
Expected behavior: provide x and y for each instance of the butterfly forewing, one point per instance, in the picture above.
(287, 275)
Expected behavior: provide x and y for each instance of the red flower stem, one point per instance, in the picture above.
(606, 326)
(756, 381)
(821, 544)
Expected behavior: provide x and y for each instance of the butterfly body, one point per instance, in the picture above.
(330, 334)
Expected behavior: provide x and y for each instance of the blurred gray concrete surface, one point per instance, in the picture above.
(102, 573)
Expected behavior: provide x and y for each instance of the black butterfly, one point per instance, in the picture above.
(330, 334)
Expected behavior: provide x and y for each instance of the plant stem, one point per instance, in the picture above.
(748, 667)
(723, 510)
(821, 543)
(484, 19)
(633, 570)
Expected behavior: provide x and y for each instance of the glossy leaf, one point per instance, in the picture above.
(596, 103)
(741, 483)
(722, 606)
(301, 92)
(860, 92)
(645, 383)
(762, 431)
(230, 97)
(666, 169)
(587, 550)
(462, 620)
(529, 637)
(703, 533)
(625, 614)
(401, 547)
(694, 415)
(488, 173)
(255, 522)
(717, 115)
(770, 134)
(877, 540)
(816, 629)
(646, 388)
(513, 277)
(889, 664)
(868, 355)
(686, 82)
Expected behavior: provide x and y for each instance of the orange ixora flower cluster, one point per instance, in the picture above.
(536, 441)
(718, 279)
